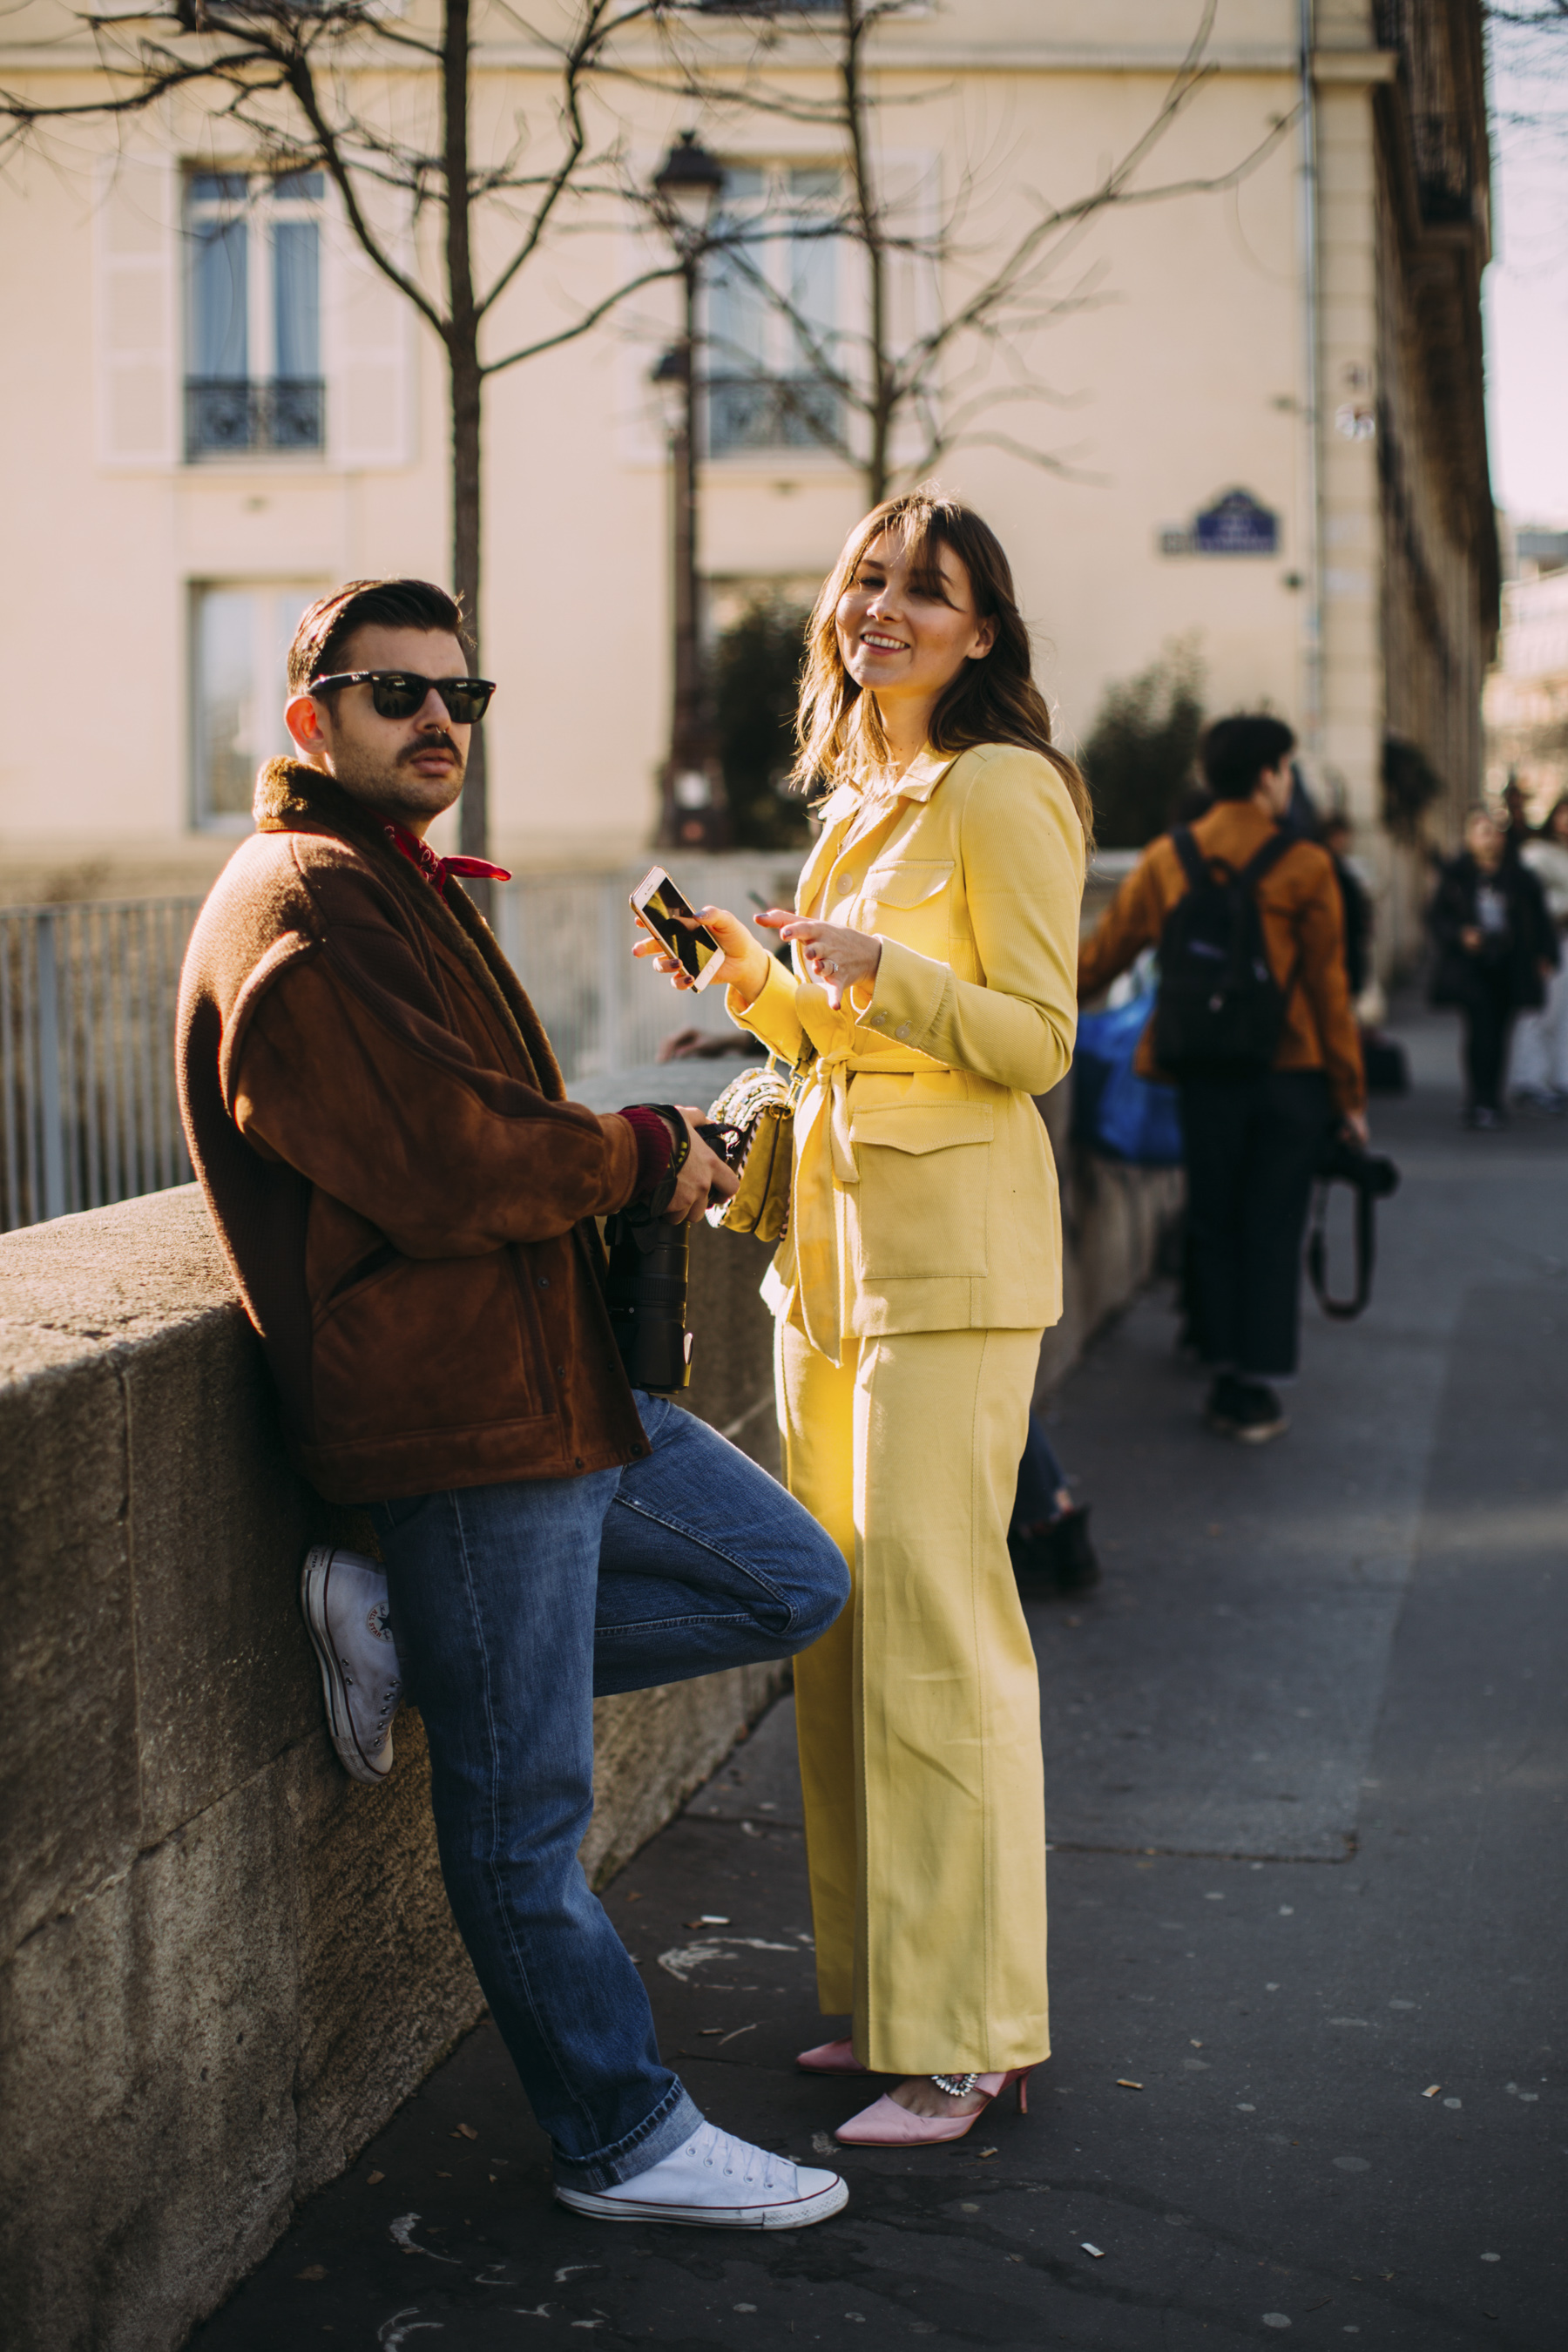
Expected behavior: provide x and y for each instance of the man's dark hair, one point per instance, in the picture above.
(331, 621)
(1235, 752)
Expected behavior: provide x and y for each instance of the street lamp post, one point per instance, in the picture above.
(692, 814)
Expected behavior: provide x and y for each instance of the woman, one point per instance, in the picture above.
(1495, 950)
(935, 943)
(1540, 1070)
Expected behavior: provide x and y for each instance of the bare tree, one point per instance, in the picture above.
(902, 392)
(283, 73)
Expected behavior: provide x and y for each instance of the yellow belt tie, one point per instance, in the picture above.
(825, 1161)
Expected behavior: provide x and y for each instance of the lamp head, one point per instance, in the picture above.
(687, 184)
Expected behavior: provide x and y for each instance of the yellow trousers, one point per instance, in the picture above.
(920, 1712)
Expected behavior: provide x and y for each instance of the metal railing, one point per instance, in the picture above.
(225, 414)
(87, 1112)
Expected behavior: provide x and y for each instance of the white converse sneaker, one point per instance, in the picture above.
(715, 2182)
(343, 1596)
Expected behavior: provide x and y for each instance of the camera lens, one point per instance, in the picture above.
(645, 1291)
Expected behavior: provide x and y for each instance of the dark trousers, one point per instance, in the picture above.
(1488, 1017)
(1250, 1146)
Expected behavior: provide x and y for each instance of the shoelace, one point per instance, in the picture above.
(756, 2169)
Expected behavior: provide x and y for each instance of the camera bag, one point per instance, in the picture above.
(756, 1114)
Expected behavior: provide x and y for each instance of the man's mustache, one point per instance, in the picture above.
(439, 739)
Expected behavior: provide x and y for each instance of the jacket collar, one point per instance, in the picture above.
(918, 782)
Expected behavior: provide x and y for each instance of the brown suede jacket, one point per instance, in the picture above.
(1303, 934)
(404, 1195)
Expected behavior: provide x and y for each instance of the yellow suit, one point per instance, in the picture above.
(922, 1261)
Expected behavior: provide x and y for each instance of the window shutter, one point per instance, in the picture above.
(137, 311)
(368, 344)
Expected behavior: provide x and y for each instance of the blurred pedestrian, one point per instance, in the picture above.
(1336, 834)
(1253, 1127)
(934, 944)
(1496, 949)
(1540, 1067)
(1517, 828)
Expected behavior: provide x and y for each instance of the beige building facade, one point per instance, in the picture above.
(1261, 411)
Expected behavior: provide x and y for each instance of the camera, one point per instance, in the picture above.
(1341, 1161)
(645, 1291)
(645, 1287)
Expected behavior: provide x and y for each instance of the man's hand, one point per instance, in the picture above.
(1355, 1125)
(704, 1172)
(1470, 939)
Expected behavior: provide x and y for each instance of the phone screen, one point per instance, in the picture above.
(658, 902)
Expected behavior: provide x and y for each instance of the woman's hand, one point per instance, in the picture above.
(1470, 939)
(835, 955)
(746, 964)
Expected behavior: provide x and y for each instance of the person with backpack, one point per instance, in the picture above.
(1253, 1022)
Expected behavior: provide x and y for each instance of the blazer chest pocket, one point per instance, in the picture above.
(906, 900)
(922, 1200)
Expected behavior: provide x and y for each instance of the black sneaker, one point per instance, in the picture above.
(1259, 1415)
(1248, 1409)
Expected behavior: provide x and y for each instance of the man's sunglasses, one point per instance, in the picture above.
(399, 693)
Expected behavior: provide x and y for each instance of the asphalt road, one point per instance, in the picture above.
(1306, 1773)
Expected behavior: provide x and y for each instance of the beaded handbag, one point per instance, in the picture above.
(756, 1113)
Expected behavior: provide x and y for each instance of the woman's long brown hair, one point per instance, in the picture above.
(839, 730)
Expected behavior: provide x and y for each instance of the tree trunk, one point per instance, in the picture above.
(468, 393)
(871, 235)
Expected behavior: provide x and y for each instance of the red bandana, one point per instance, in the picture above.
(436, 869)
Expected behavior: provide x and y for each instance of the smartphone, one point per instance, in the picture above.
(658, 902)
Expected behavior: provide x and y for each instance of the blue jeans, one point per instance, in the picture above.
(514, 1608)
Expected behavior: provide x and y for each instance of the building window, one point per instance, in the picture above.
(773, 313)
(240, 635)
(253, 313)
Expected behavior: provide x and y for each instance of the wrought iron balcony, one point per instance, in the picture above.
(228, 415)
(772, 412)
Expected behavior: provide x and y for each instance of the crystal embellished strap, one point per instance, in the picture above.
(957, 2086)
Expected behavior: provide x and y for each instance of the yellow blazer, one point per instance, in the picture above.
(925, 1195)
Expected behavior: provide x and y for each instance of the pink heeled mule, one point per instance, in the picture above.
(885, 2124)
(831, 2058)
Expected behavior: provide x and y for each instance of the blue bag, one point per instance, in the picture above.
(1114, 1110)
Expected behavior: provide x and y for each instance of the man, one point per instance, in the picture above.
(407, 1201)
(1251, 1137)
(1338, 837)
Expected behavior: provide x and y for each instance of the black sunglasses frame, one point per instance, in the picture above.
(401, 684)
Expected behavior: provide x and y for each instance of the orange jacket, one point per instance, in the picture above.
(1303, 926)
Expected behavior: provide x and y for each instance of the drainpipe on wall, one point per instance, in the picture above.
(1312, 680)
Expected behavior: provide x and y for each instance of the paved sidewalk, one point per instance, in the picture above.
(1307, 1773)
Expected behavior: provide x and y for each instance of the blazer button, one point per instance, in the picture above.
(637, 1449)
(902, 1030)
(560, 1371)
(578, 1465)
(544, 1282)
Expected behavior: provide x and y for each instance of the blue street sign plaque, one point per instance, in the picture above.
(1238, 524)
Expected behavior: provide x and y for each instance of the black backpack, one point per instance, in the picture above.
(1219, 1009)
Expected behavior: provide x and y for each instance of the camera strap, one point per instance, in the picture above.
(1342, 1311)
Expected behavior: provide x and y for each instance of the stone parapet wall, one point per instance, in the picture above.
(223, 1963)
